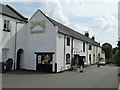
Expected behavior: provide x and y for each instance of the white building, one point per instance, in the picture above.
(44, 44)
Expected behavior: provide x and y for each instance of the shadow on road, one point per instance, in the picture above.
(26, 72)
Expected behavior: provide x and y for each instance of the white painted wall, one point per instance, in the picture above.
(8, 38)
(60, 53)
(103, 54)
(89, 52)
(42, 42)
(1, 36)
(68, 50)
(21, 41)
(86, 53)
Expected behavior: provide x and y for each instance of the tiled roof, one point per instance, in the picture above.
(68, 31)
(10, 12)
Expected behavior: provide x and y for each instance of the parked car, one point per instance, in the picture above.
(102, 62)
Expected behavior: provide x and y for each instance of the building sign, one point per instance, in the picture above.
(76, 45)
(38, 27)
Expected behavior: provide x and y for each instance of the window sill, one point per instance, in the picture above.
(6, 30)
(67, 63)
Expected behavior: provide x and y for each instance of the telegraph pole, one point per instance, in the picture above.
(118, 52)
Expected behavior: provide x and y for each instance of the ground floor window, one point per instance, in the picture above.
(44, 58)
(44, 61)
(67, 58)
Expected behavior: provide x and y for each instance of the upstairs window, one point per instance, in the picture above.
(6, 26)
(90, 47)
(83, 46)
(68, 41)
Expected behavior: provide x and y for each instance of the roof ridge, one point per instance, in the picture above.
(16, 11)
(94, 42)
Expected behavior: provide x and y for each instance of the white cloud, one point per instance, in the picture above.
(90, 9)
(80, 28)
(61, 0)
(55, 11)
(108, 22)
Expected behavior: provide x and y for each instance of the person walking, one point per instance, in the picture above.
(81, 64)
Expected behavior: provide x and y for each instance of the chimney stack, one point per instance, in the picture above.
(86, 34)
(93, 38)
(99, 43)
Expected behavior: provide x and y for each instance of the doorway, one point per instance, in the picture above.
(76, 58)
(19, 58)
(44, 61)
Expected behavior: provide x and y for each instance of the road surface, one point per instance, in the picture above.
(92, 77)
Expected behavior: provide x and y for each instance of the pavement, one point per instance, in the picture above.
(92, 77)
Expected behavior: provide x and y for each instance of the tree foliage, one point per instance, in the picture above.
(116, 54)
(107, 48)
(114, 50)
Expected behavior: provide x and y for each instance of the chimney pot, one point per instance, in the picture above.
(86, 34)
(93, 38)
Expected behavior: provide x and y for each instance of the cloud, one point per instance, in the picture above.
(80, 28)
(107, 22)
(61, 0)
(55, 11)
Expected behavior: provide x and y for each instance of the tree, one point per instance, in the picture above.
(118, 55)
(107, 48)
(114, 50)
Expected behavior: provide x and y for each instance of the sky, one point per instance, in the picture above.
(98, 17)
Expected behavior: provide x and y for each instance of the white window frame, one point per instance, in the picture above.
(6, 26)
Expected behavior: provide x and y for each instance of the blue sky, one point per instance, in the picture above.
(99, 18)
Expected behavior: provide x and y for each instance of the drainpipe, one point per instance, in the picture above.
(71, 50)
(64, 51)
(15, 44)
(87, 53)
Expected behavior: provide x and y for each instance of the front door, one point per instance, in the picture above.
(76, 59)
(19, 58)
(44, 62)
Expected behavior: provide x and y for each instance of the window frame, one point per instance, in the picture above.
(67, 58)
(6, 26)
(68, 41)
(83, 46)
(90, 47)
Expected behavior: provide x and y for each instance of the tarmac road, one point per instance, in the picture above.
(92, 77)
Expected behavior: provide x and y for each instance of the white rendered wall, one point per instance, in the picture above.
(42, 42)
(1, 28)
(60, 53)
(21, 42)
(8, 38)
(68, 50)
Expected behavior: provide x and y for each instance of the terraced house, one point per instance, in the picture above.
(43, 44)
